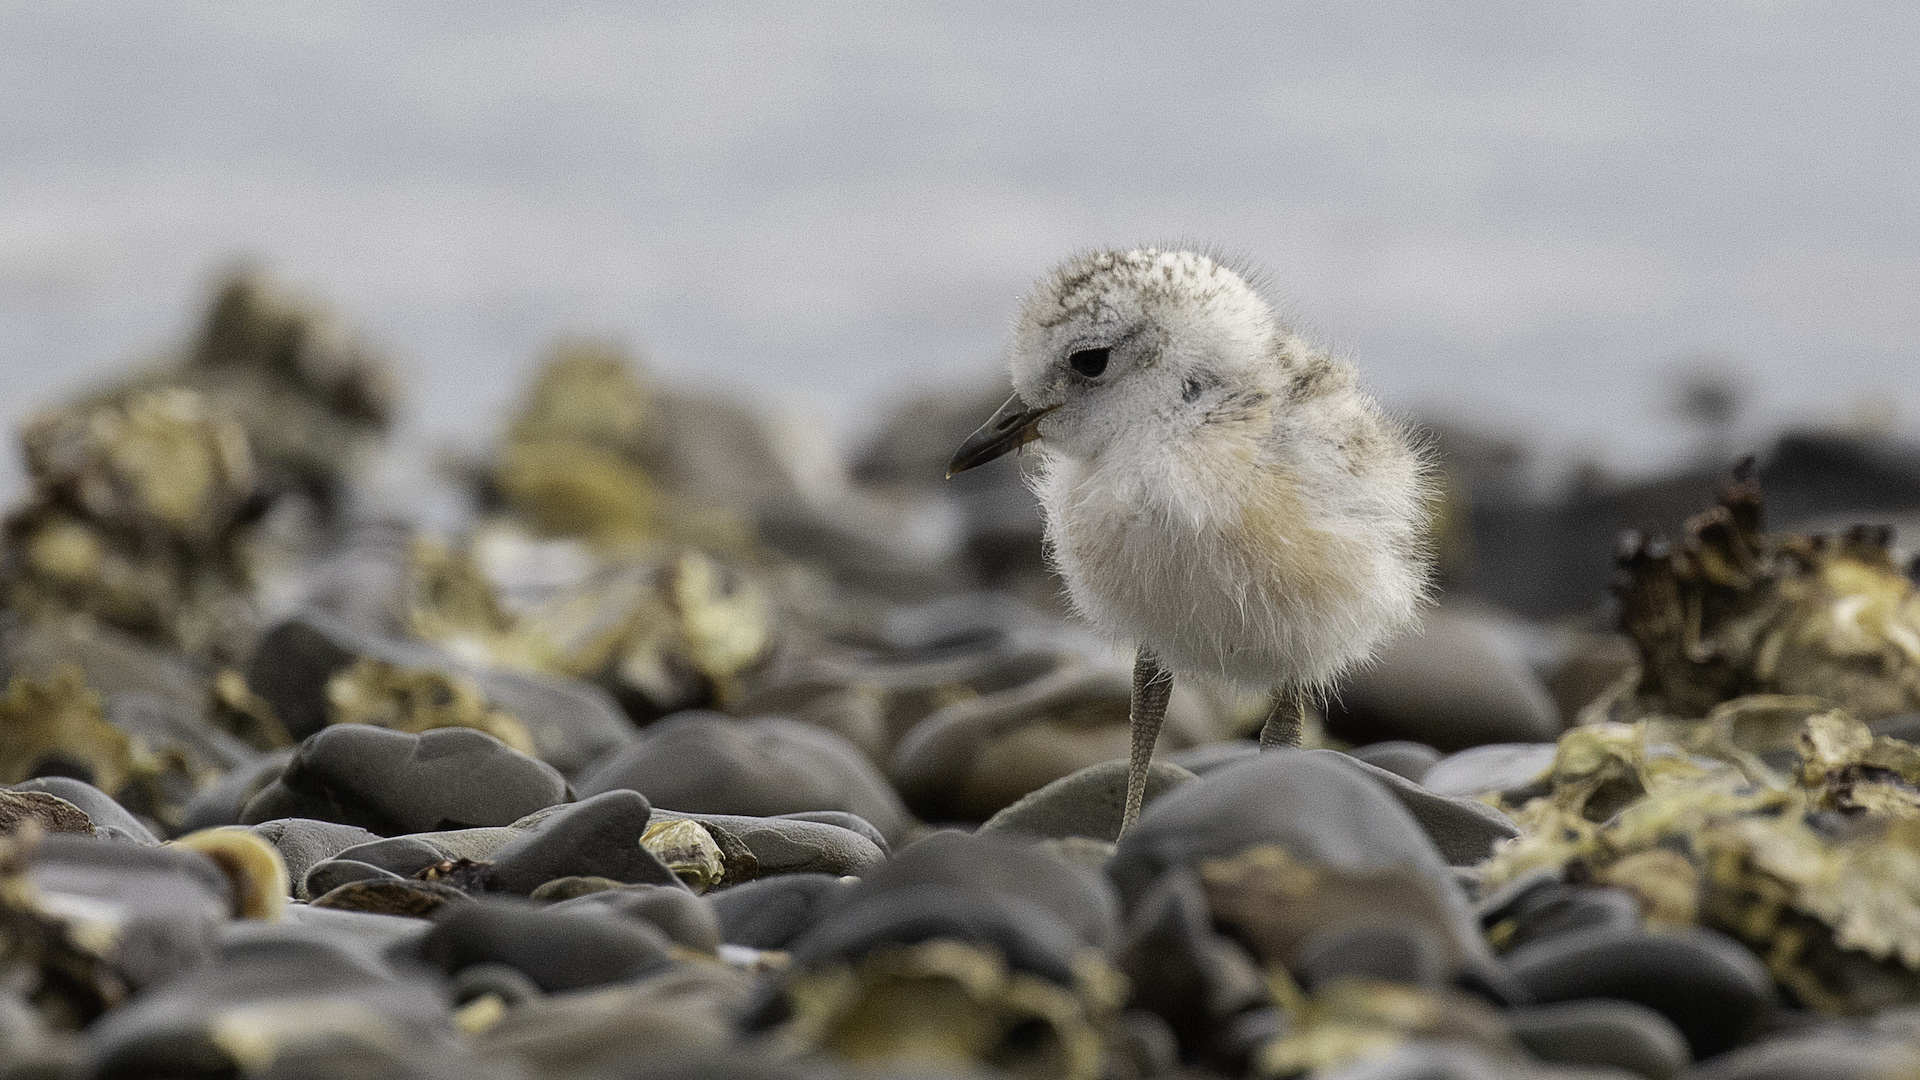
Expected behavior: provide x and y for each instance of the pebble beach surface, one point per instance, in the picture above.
(667, 763)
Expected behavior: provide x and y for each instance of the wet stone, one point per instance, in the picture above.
(1618, 1034)
(1498, 767)
(698, 763)
(681, 916)
(393, 783)
(392, 896)
(1405, 952)
(303, 842)
(1452, 684)
(1400, 757)
(793, 845)
(327, 875)
(596, 837)
(1088, 803)
(1712, 989)
(771, 912)
(291, 987)
(161, 907)
(559, 949)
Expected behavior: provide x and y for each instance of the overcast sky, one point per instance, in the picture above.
(1519, 214)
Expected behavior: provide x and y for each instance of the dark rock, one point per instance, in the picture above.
(1087, 803)
(1076, 896)
(114, 821)
(1619, 1034)
(1712, 989)
(393, 783)
(392, 896)
(1408, 759)
(1030, 937)
(975, 757)
(1821, 1055)
(225, 800)
(382, 937)
(771, 912)
(596, 837)
(1320, 807)
(289, 985)
(788, 845)
(1202, 760)
(164, 905)
(572, 723)
(1453, 684)
(1497, 767)
(1539, 908)
(1401, 952)
(561, 889)
(842, 819)
(684, 918)
(1180, 968)
(700, 762)
(327, 875)
(558, 949)
(302, 842)
(1464, 830)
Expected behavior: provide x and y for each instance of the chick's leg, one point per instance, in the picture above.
(1285, 720)
(1147, 711)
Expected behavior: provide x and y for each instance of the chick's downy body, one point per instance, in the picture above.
(1217, 492)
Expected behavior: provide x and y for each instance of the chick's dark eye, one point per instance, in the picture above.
(1089, 362)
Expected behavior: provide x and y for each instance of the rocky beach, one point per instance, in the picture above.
(643, 744)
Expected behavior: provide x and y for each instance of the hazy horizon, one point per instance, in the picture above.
(1520, 218)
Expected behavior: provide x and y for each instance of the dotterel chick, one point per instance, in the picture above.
(1218, 493)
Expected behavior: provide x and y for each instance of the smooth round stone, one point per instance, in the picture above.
(161, 907)
(225, 800)
(596, 837)
(393, 783)
(1078, 897)
(700, 762)
(1320, 807)
(791, 845)
(1404, 953)
(1822, 1055)
(561, 889)
(572, 723)
(392, 896)
(1184, 970)
(1465, 831)
(1493, 768)
(1619, 1034)
(1088, 803)
(683, 917)
(1400, 757)
(771, 912)
(843, 820)
(1204, 759)
(116, 822)
(408, 855)
(1712, 989)
(975, 757)
(303, 842)
(1028, 936)
(291, 984)
(1546, 908)
(558, 949)
(330, 874)
(1453, 683)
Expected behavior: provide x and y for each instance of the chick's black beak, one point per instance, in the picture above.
(1014, 426)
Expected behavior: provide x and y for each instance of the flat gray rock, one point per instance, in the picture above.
(1088, 803)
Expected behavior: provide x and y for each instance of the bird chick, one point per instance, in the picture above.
(1218, 493)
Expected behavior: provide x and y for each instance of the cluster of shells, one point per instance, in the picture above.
(1734, 777)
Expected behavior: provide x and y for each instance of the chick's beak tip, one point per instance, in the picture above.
(1014, 425)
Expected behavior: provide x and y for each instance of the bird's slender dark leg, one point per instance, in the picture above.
(1285, 720)
(1146, 712)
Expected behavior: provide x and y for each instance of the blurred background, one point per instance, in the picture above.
(1602, 249)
